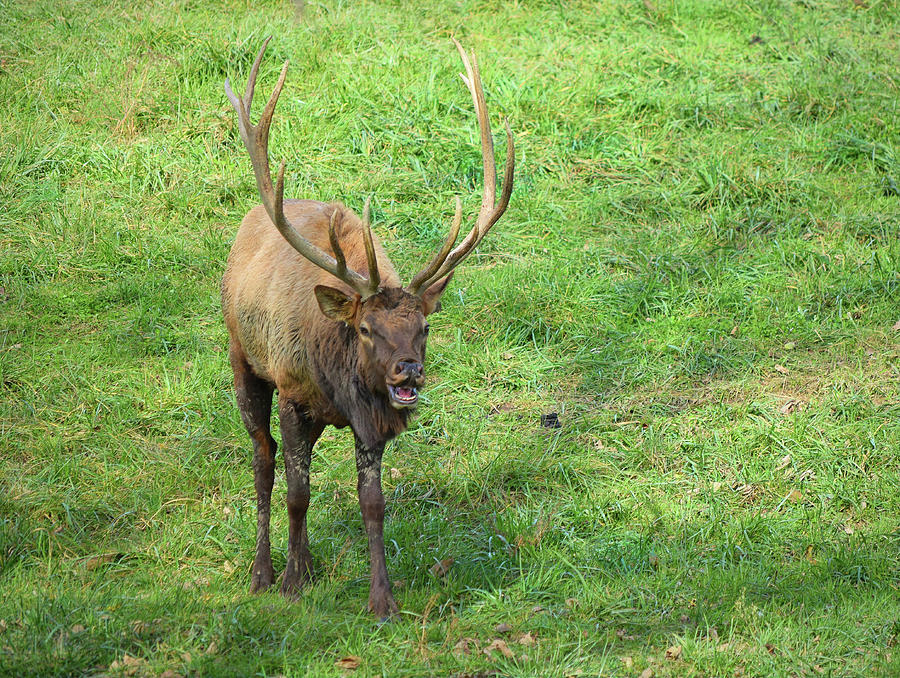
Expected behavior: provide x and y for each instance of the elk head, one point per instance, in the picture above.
(389, 322)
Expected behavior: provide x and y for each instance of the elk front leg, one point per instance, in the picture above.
(254, 399)
(371, 503)
(298, 436)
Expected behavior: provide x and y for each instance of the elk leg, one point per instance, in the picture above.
(254, 399)
(298, 435)
(371, 503)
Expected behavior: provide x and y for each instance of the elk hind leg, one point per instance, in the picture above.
(254, 399)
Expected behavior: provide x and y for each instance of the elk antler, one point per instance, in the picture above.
(445, 260)
(256, 140)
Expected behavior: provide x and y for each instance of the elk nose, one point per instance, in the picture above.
(410, 368)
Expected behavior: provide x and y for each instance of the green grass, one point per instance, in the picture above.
(704, 229)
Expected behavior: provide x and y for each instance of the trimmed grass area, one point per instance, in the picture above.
(699, 272)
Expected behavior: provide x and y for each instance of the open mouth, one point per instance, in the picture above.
(403, 396)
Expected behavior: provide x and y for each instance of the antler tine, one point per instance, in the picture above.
(256, 141)
(374, 276)
(336, 245)
(473, 82)
(490, 212)
(440, 256)
(251, 81)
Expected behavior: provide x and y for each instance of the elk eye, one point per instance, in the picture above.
(427, 327)
(363, 330)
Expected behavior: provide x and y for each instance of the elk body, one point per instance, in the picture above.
(316, 311)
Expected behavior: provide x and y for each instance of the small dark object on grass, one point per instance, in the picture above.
(756, 40)
(550, 420)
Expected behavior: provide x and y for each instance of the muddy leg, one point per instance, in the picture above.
(371, 503)
(298, 435)
(254, 399)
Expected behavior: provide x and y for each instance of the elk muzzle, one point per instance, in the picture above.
(407, 376)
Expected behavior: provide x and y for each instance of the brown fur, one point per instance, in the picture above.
(268, 300)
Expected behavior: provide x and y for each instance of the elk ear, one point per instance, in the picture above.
(336, 304)
(431, 298)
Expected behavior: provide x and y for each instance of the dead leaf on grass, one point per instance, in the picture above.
(896, 326)
(627, 661)
(783, 462)
(790, 407)
(781, 369)
(128, 665)
(139, 627)
(795, 496)
(465, 645)
(673, 653)
(442, 568)
(348, 663)
(770, 648)
(527, 639)
(647, 673)
(502, 628)
(501, 646)
(748, 491)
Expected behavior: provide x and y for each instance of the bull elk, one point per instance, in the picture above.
(316, 311)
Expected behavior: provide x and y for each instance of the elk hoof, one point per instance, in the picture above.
(262, 579)
(296, 576)
(384, 607)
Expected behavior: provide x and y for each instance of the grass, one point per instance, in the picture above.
(699, 271)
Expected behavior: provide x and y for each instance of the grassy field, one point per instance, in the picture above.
(699, 272)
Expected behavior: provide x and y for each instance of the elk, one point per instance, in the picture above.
(316, 311)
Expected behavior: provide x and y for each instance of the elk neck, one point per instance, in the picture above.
(342, 378)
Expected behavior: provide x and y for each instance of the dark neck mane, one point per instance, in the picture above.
(371, 416)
